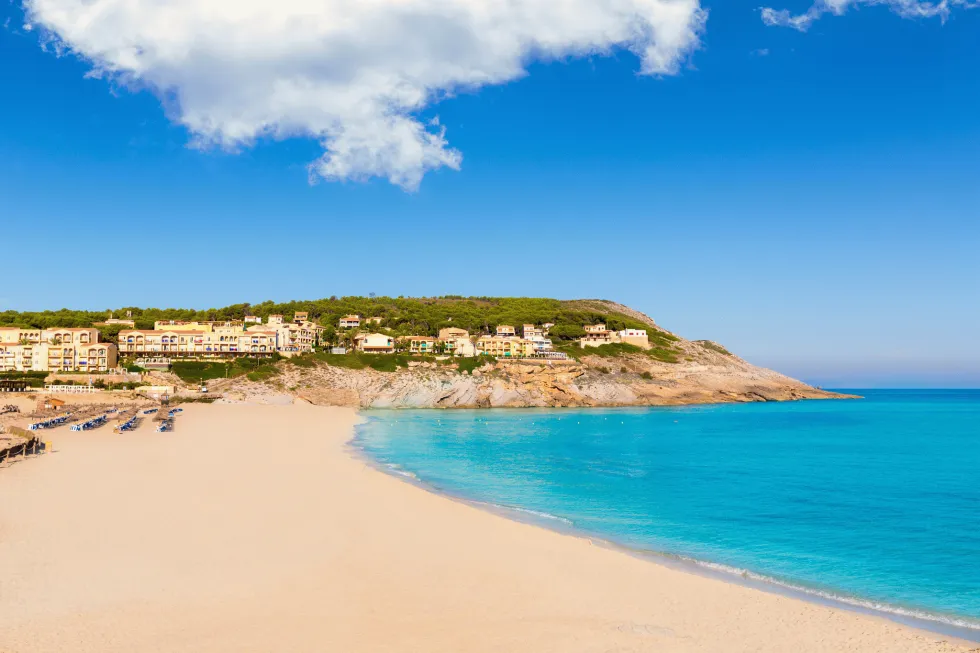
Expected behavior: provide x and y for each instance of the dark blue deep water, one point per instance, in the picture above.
(874, 501)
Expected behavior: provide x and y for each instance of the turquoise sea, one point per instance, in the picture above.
(873, 502)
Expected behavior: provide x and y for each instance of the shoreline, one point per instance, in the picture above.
(939, 624)
(223, 535)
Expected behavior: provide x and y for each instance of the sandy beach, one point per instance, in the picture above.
(255, 528)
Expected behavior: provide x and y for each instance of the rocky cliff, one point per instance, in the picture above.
(677, 371)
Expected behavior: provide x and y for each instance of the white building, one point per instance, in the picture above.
(374, 343)
(350, 322)
(636, 337)
(530, 331)
(457, 342)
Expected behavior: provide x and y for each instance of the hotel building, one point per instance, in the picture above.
(220, 342)
(55, 350)
(504, 347)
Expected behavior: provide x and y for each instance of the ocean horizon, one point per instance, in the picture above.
(870, 503)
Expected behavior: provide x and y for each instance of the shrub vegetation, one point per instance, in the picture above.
(400, 316)
(707, 344)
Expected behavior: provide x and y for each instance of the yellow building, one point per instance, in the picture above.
(16, 335)
(294, 338)
(452, 333)
(421, 344)
(57, 350)
(506, 331)
(221, 342)
(180, 325)
(504, 347)
(96, 357)
(596, 335)
(15, 357)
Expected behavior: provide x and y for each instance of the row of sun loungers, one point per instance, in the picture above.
(91, 424)
(129, 419)
(129, 424)
(49, 423)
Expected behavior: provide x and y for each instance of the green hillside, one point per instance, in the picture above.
(400, 316)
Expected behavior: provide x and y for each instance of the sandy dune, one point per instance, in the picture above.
(251, 528)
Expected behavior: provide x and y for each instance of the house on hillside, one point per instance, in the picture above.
(529, 331)
(457, 342)
(506, 331)
(596, 335)
(636, 337)
(537, 336)
(374, 343)
(452, 333)
(350, 322)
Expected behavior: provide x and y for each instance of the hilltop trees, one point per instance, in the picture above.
(400, 316)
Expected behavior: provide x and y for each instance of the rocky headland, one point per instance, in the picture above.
(693, 372)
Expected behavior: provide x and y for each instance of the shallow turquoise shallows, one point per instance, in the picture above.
(873, 501)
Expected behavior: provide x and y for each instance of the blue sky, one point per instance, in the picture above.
(809, 199)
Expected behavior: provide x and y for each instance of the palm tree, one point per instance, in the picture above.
(350, 338)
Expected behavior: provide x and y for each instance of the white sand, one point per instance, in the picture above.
(251, 528)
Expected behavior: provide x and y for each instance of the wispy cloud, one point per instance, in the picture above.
(904, 8)
(761, 52)
(352, 74)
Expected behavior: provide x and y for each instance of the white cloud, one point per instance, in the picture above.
(904, 8)
(354, 74)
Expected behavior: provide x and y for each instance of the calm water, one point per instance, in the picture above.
(874, 501)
